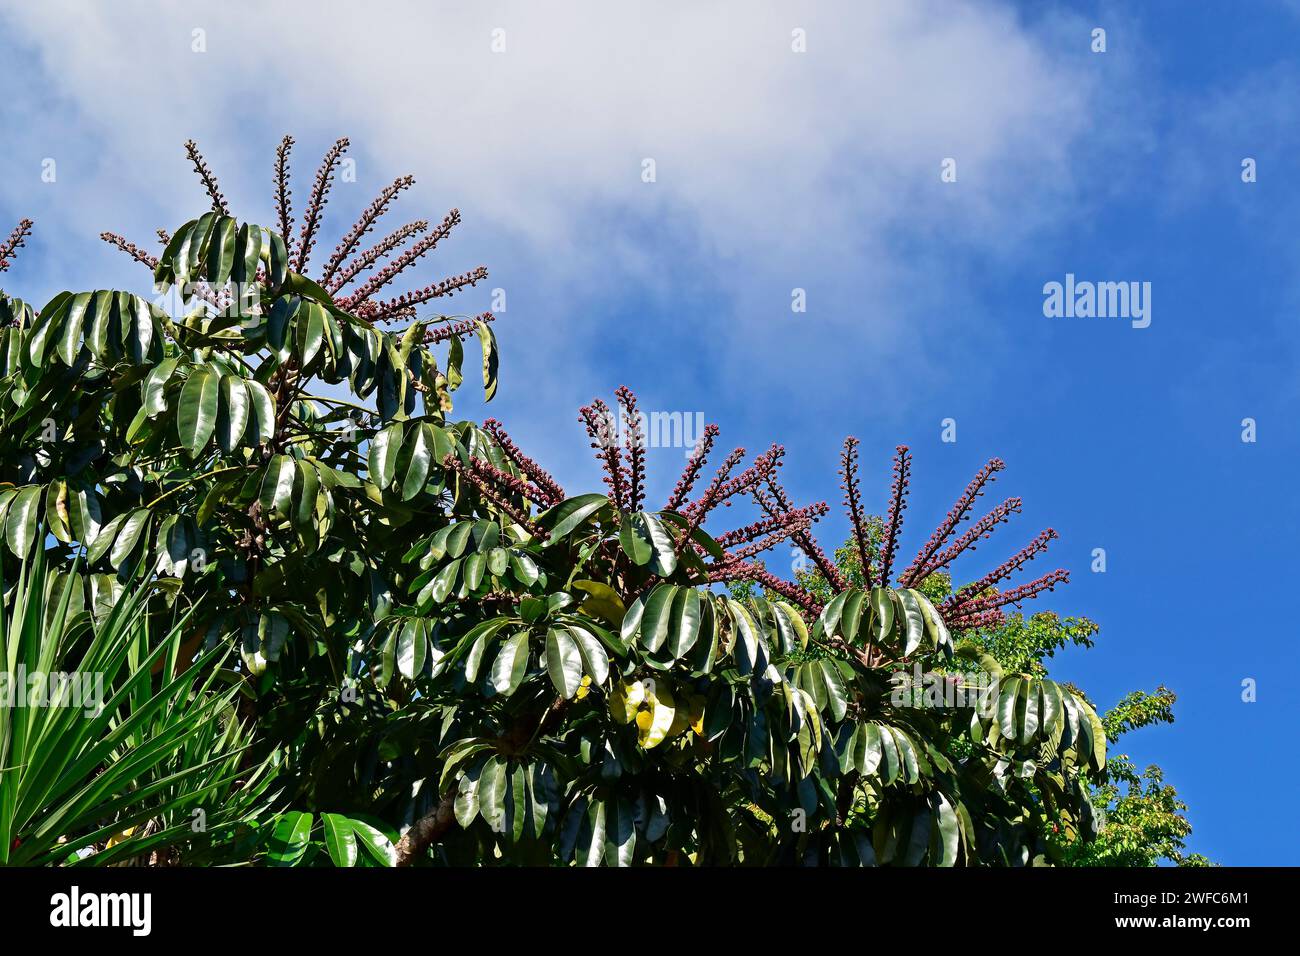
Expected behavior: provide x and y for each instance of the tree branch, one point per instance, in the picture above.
(427, 830)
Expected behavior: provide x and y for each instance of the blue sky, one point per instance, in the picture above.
(820, 171)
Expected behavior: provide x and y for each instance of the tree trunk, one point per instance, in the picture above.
(427, 830)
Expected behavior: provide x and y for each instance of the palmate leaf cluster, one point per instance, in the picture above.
(684, 724)
(424, 652)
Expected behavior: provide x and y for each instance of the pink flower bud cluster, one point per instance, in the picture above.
(499, 487)
(897, 505)
(17, 239)
(546, 490)
(209, 180)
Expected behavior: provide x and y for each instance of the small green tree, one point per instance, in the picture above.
(1144, 822)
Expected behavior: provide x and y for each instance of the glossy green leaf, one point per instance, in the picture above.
(563, 661)
(492, 788)
(488, 340)
(466, 807)
(232, 419)
(376, 844)
(684, 622)
(475, 565)
(411, 650)
(524, 568)
(837, 692)
(221, 252)
(663, 551)
(914, 621)
(851, 617)
(567, 516)
(595, 660)
(511, 664)
(289, 838)
(656, 617)
(384, 449)
(277, 485)
(340, 840)
(620, 833)
(262, 420)
(415, 460)
(124, 544)
(1013, 690)
(21, 520)
(69, 343)
(196, 417)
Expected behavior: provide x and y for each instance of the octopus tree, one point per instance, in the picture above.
(453, 658)
(602, 701)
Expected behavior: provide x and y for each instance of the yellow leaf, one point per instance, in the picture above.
(696, 704)
(602, 601)
(625, 700)
(117, 838)
(663, 713)
(659, 690)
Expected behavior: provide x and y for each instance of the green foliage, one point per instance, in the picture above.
(1139, 709)
(1144, 822)
(114, 747)
(439, 657)
(1140, 818)
(935, 587)
(688, 703)
(296, 838)
(1025, 643)
(195, 446)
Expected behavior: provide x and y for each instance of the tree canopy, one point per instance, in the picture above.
(397, 640)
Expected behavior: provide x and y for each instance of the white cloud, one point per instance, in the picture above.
(775, 169)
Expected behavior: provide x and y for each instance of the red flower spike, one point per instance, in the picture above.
(982, 528)
(752, 572)
(897, 505)
(692, 471)
(209, 180)
(371, 257)
(917, 571)
(130, 248)
(1012, 564)
(405, 260)
(601, 429)
(775, 501)
(283, 203)
(364, 224)
(498, 487)
(777, 530)
(549, 492)
(634, 442)
(17, 239)
(404, 305)
(960, 607)
(853, 504)
(456, 330)
(316, 204)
